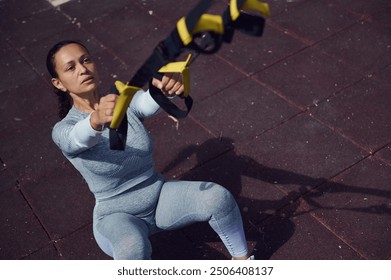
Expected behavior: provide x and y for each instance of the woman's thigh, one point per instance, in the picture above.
(184, 202)
(123, 236)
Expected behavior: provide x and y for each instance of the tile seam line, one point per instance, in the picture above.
(26, 59)
(251, 74)
(330, 179)
(277, 125)
(305, 210)
(385, 161)
(51, 240)
(307, 44)
(338, 236)
(311, 43)
(101, 44)
(340, 132)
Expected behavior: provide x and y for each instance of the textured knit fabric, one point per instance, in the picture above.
(132, 200)
(108, 172)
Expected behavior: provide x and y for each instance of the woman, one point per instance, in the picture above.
(132, 200)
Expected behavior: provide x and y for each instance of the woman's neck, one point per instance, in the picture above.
(85, 103)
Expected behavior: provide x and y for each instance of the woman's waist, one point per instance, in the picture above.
(123, 184)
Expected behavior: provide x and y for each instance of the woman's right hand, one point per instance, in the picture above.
(104, 111)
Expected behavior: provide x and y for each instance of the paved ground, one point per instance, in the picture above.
(296, 124)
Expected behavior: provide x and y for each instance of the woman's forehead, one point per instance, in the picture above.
(69, 53)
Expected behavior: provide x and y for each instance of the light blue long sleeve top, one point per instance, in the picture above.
(109, 172)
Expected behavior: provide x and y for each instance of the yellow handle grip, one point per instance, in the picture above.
(180, 67)
(207, 22)
(126, 93)
(253, 5)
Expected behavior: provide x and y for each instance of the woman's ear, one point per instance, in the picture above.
(58, 84)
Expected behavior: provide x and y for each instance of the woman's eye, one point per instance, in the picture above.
(87, 60)
(70, 68)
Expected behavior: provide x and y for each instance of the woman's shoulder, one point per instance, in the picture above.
(71, 118)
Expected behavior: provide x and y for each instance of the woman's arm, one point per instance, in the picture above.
(143, 104)
(75, 137)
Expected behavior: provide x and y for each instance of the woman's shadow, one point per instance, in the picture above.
(268, 222)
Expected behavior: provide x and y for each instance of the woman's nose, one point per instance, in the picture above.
(83, 69)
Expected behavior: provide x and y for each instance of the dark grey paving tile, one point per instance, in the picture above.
(207, 243)
(15, 69)
(61, 199)
(243, 111)
(301, 154)
(163, 249)
(209, 75)
(169, 11)
(308, 77)
(385, 154)
(357, 207)
(84, 11)
(28, 150)
(383, 17)
(7, 178)
(177, 151)
(31, 29)
(21, 232)
(46, 253)
(383, 75)
(28, 103)
(81, 245)
(366, 46)
(266, 238)
(361, 112)
(133, 25)
(362, 6)
(314, 20)
(14, 9)
(254, 54)
(300, 237)
(279, 6)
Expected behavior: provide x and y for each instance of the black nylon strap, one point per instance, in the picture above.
(166, 104)
(117, 136)
(172, 46)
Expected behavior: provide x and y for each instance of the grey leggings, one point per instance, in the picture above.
(122, 224)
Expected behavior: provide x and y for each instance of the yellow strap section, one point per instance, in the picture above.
(254, 5)
(234, 10)
(207, 22)
(126, 93)
(180, 67)
(183, 32)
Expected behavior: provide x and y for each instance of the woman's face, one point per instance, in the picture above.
(76, 71)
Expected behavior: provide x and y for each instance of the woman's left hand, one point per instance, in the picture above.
(170, 85)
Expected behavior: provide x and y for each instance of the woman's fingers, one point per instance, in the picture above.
(172, 84)
(105, 108)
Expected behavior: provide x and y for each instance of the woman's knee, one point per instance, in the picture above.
(133, 248)
(220, 200)
(124, 237)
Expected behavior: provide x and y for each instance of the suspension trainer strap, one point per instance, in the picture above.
(212, 30)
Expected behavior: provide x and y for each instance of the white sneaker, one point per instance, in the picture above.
(250, 258)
